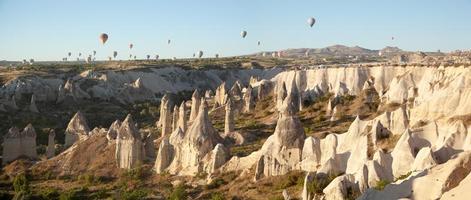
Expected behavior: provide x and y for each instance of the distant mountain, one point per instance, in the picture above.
(334, 50)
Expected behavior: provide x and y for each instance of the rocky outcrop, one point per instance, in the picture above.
(113, 130)
(175, 115)
(236, 91)
(282, 151)
(220, 96)
(51, 144)
(229, 118)
(182, 120)
(32, 105)
(77, 129)
(129, 147)
(164, 156)
(17, 144)
(195, 103)
(248, 99)
(165, 120)
(216, 158)
(192, 148)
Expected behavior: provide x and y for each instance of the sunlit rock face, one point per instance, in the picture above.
(129, 147)
(77, 129)
(17, 144)
(192, 150)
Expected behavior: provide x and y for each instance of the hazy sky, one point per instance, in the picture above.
(48, 29)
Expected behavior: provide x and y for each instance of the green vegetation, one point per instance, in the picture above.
(291, 179)
(217, 196)
(381, 184)
(178, 193)
(318, 184)
(403, 176)
(216, 183)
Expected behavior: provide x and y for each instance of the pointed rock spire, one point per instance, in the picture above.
(248, 98)
(195, 103)
(51, 151)
(17, 144)
(129, 147)
(229, 118)
(182, 121)
(281, 95)
(165, 121)
(175, 118)
(113, 130)
(32, 106)
(77, 129)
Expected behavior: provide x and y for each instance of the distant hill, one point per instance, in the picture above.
(334, 50)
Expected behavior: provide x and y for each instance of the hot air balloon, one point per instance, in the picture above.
(130, 56)
(31, 61)
(109, 58)
(200, 54)
(174, 58)
(392, 38)
(217, 55)
(69, 54)
(311, 21)
(134, 57)
(130, 46)
(24, 61)
(80, 54)
(168, 41)
(157, 57)
(115, 53)
(243, 34)
(258, 43)
(103, 38)
(94, 52)
(194, 55)
(148, 57)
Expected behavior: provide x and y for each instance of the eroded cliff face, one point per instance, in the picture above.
(427, 110)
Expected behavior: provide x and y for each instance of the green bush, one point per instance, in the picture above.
(133, 195)
(217, 196)
(21, 183)
(381, 184)
(179, 193)
(48, 193)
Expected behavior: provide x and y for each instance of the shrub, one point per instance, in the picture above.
(48, 193)
(133, 195)
(21, 183)
(178, 193)
(215, 183)
(381, 184)
(217, 196)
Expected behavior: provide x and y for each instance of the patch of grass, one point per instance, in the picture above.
(291, 179)
(381, 184)
(178, 193)
(136, 194)
(217, 196)
(403, 176)
(216, 183)
(318, 184)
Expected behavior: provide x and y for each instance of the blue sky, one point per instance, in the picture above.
(48, 29)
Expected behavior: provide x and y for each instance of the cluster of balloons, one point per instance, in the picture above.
(104, 38)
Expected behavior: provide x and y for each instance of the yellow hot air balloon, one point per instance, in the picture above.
(103, 38)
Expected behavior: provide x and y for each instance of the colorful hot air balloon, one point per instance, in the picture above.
(311, 21)
(168, 41)
(243, 34)
(103, 38)
(200, 54)
(130, 46)
(115, 53)
(69, 54)
(258, 43)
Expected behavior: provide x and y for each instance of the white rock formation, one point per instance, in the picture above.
(182, 119)
(16, 144)
(32, 106)
(175, 115)
(311, 154)
(229, 118)
(77, 129)
(129, 148)
(164, 156)
(249, 101)
(192, 148)
(220, 96)
(51, 144)
(195, 103)
(165, 120)
(113, 130)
